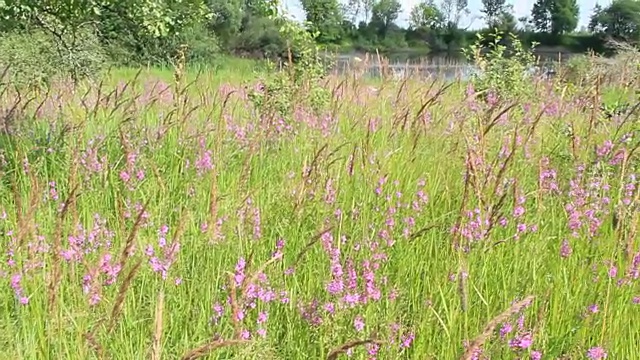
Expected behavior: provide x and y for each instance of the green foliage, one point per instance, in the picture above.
(151, 31)
(202, 46)
(384, 13)
(493, 10)
(555, 16)
(325, 17)
(156, 18)
(502, 70)
(299, 83)
(226, 20)
(621, 70)
(426, 15)
(620, 20)
(132, 31)
(260, 36)
(35, 58)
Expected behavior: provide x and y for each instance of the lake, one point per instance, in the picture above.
(400, 65)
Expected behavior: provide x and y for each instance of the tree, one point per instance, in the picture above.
(555, 16)
(70, 22)
(260, 8)
(226, 19)
(526, 24)
(619, 20)
(155, 18)
(594, 20)
(325, 17)
(426, 15)
(355, 8)
(564, 17)
(384, 13)
(493, 10)
(453, 11)
(540, 15)
(506, 22)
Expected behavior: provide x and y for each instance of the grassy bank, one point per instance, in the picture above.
(144, 219)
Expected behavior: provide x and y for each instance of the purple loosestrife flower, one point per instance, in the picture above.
(596, 353)
(110, 268)
(523, 341)
(239, 272)
(257, 224)
(16, 285)
(310, 313)
(358, 323)
(204, 159)
(521, 322)
(565, 249)
(407, 340)
(535, 355)
(330, 308)
(373, 293)
(278, 254)
(262, 317)
(617, 158)
(53, 193)
(90, 286)
(91, 161)
(372, 349)
(505, 330)
(604, 149)
(125, 176)
(164, 256)
(477, 352)
(330, 192)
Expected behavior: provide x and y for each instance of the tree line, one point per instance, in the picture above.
(440, 25)
(148, 31)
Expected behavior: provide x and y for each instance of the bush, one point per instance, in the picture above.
(621, 70)
(131, 49)
(261, 36)
(503, 70)
(35, 58)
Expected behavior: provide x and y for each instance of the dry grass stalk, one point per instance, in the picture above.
(56, 272)
(217, 343)
(342, 349)
(480, 340)
(209, 347)
(213, 205)
(462, 290)
(132, 235)
(94, 344)
(156, 351)
(310, 245)
(122, 291)
(235, 310)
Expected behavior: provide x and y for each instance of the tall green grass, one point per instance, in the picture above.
(370, 191)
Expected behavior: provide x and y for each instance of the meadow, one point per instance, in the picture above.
(143, 217)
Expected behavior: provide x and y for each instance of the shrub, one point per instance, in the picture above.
(261, 36)
(503, 70)
(299, 83)
(131, 48)
(623, 69)
(35, 58)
